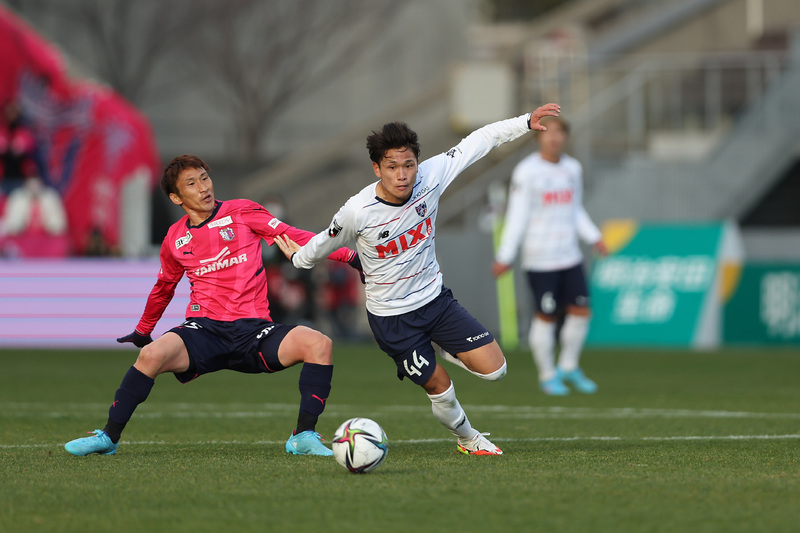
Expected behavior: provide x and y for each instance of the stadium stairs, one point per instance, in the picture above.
(758, 150)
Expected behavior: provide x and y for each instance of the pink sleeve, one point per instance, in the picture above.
(162, 293)
(157, 302)
(267, 226)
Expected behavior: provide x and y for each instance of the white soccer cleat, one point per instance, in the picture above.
(479, 445)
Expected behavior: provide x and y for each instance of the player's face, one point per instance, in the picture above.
(195, 191)
(398, 173)
(552, 141)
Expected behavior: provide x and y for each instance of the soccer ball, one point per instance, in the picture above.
(360, 445)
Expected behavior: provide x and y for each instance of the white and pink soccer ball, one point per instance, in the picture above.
(360, 445)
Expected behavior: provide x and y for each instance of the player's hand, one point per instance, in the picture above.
(498, 269)
(286, 245)
(601, 248)
(355, 262)
(139, 340)
(547, 110)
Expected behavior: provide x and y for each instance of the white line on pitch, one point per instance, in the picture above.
(242, 410)
(446, 440)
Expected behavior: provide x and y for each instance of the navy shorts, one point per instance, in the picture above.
(407, 338)
(556, 289)
(248, 345)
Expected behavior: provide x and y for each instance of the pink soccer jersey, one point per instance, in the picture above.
(222, 259)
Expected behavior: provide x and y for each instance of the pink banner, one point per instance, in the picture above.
(90, 140)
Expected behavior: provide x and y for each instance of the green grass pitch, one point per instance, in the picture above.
(673, 441)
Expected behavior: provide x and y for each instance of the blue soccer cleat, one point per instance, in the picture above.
(554, 387)
(308, 442)
(577, 379)
(99, 442)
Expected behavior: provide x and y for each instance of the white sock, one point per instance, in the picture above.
(448, 411)
(492, 376)
(573, 336)
(542, 340)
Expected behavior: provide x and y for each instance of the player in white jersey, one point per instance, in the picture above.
(546, 214)
(393, 223)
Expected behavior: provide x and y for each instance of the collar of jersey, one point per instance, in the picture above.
(401, 204)
(206, 221)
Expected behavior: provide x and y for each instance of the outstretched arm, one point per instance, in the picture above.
(289, 248)
(483, 140)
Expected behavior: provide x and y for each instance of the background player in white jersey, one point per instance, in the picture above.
(545, 213)
(393, 223)
(217, 245)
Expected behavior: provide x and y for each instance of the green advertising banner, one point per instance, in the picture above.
(765, 307)
(660, 286)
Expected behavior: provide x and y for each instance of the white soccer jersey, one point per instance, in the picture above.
(545, 212)
(396, 241)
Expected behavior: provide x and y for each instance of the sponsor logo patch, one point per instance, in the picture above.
(222, 260)
(273, 223)
(335, 228)
(195, 307)
(221, 222)
(478, 337)
(183, 241)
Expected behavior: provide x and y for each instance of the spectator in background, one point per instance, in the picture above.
(98, 246)
(35, 221)
(17, 149)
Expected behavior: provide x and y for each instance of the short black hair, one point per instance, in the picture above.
(394, 135)
(174, 169)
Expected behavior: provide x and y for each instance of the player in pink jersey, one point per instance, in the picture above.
(218, 246)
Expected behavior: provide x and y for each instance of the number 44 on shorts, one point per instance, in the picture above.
(419, 362)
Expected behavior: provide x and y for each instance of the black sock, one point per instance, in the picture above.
(315, 385)
(113, 430)
(134, 390)
(306, 421)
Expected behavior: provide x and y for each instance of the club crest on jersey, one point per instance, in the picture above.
(227, 234)
(335, 228)
(183, 241)
(422, 209)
